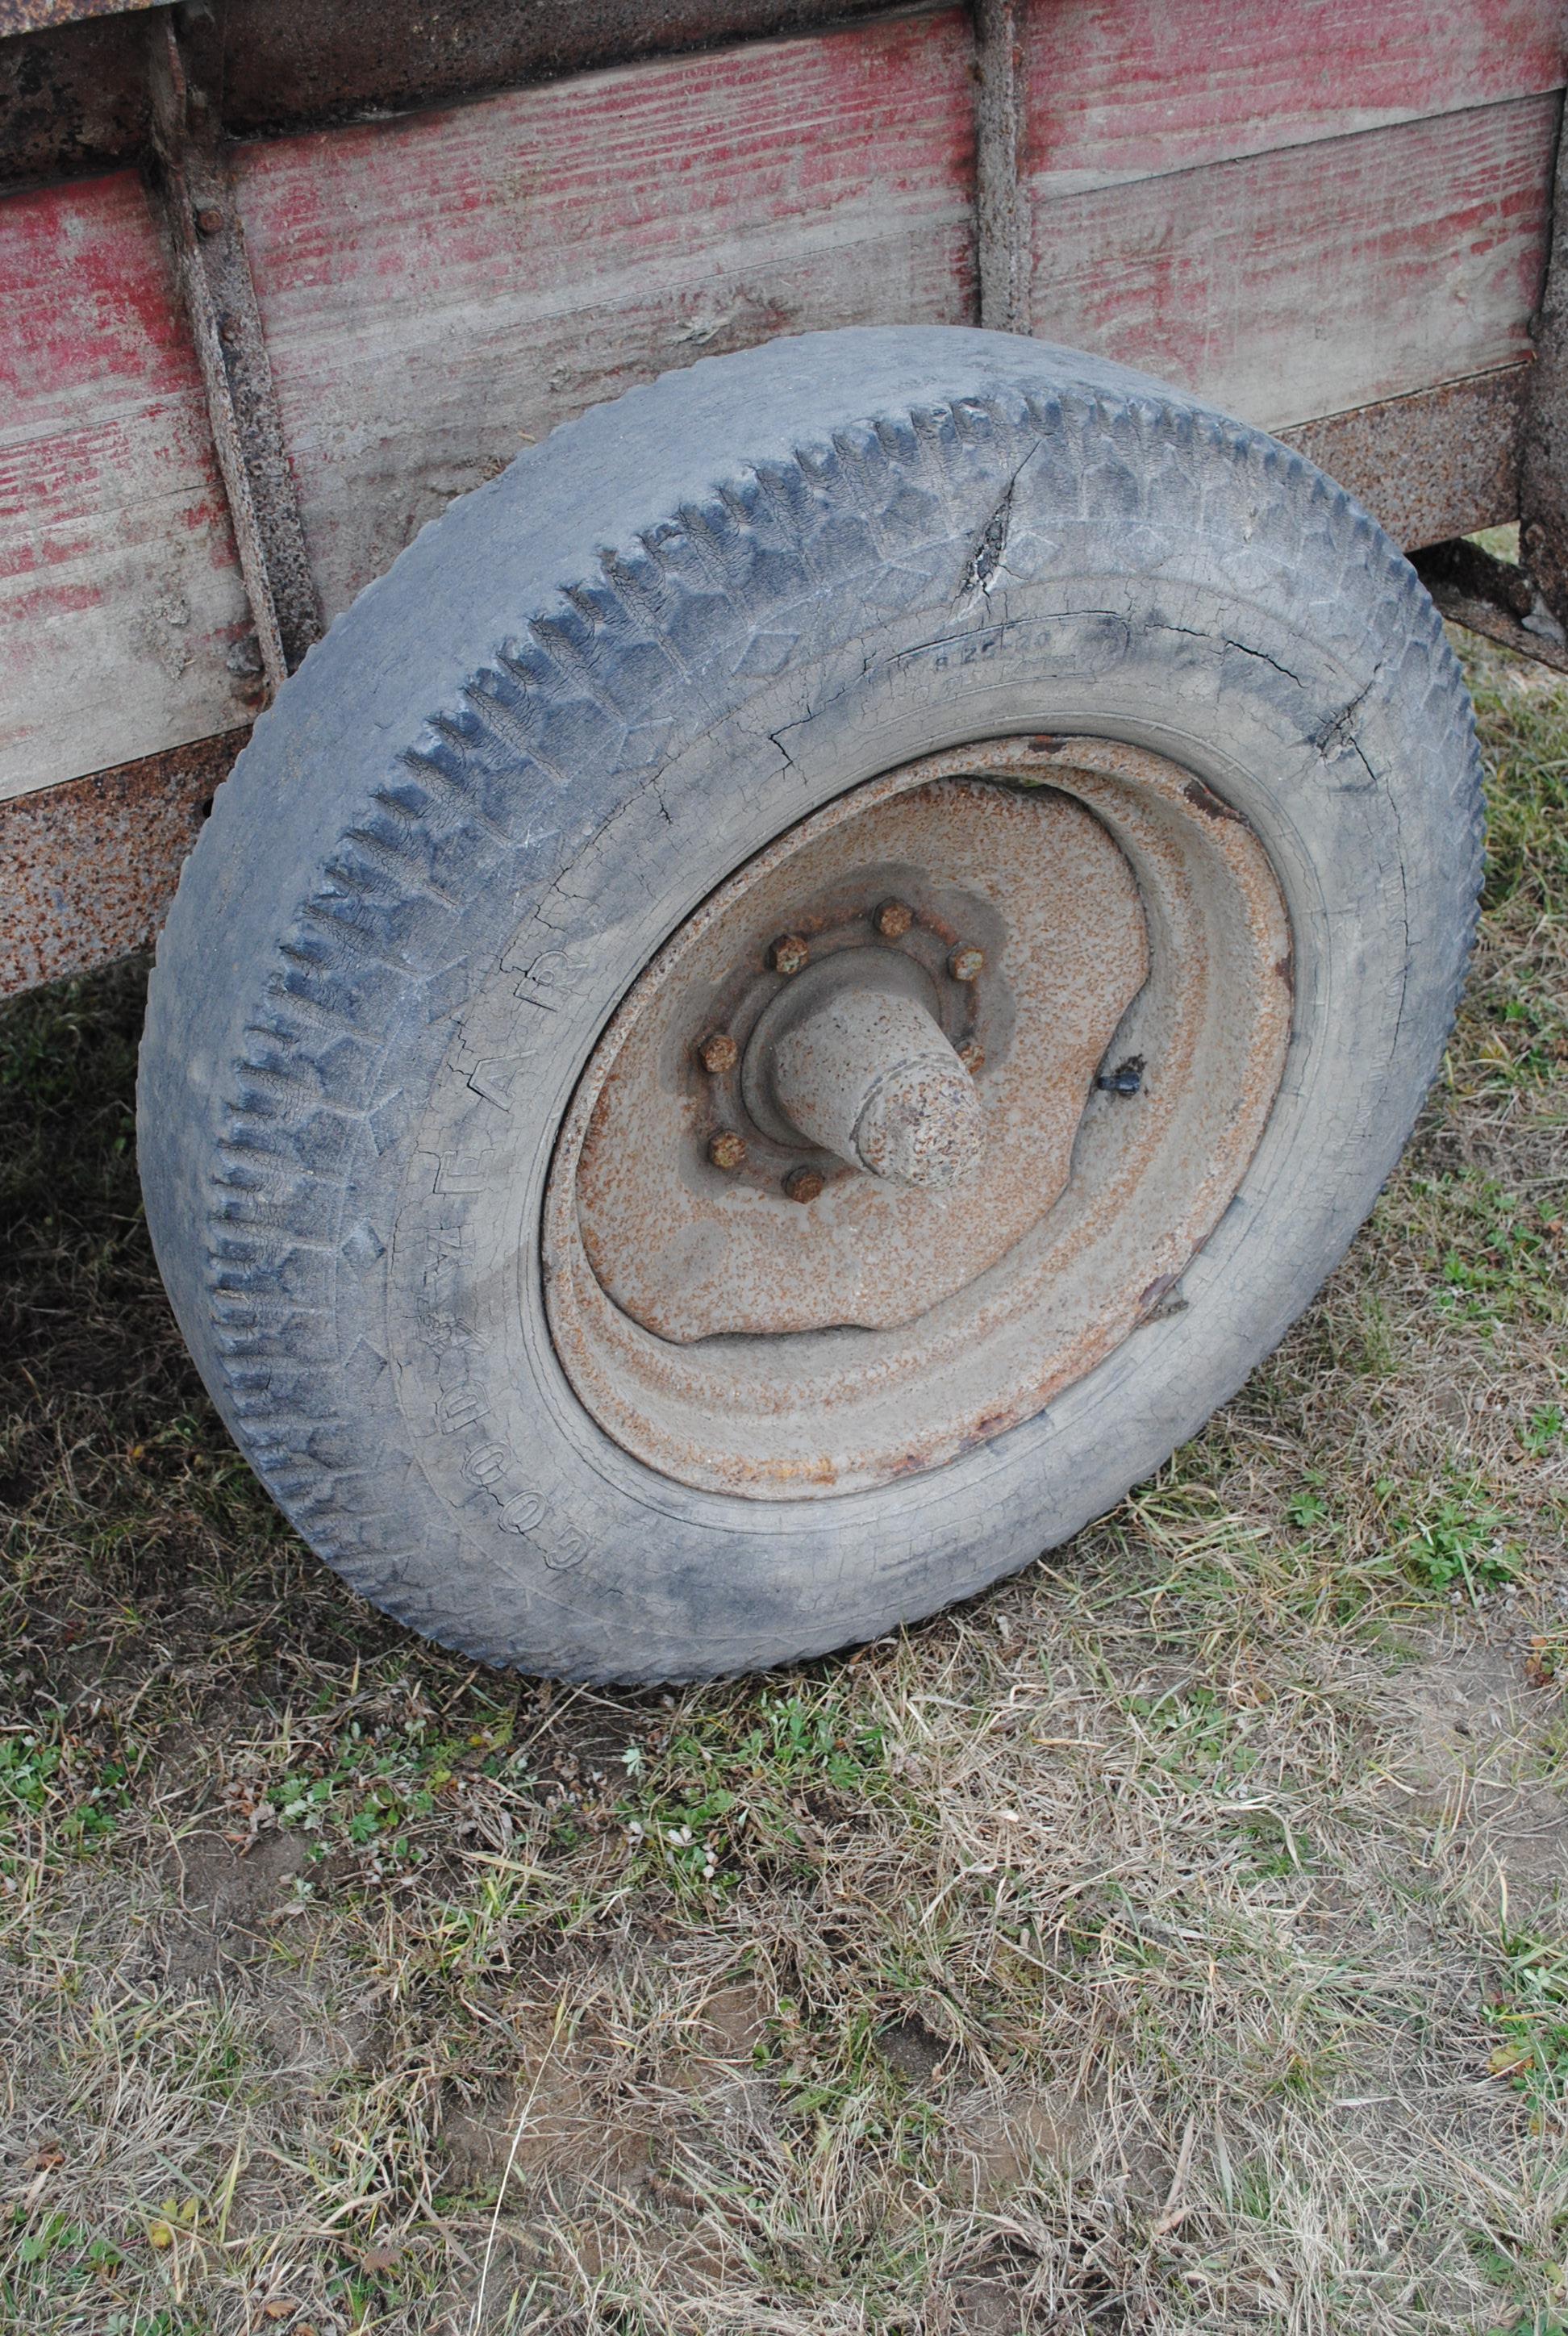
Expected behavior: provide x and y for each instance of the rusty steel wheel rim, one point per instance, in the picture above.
(917, 1118)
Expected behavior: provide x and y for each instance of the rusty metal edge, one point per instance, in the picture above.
(88, 868)
(17, 17)
(1496, 624)
(1494, 598)
(1437, 463)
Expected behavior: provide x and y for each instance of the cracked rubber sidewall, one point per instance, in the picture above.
(349, 1098)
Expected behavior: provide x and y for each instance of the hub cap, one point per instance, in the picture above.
(917, 1117)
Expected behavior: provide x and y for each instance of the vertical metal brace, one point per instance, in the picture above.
(208, 243)
(1001, 201)
(1543, 441)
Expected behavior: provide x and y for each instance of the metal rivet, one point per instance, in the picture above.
(726, 1149)
(718, 1052)
(967, 964)
(804, 1183)
(972, 1056)
(788, 953)
(893, 920)
(210, 221)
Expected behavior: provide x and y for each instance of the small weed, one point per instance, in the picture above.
(1498, 1257)
(1456, 1537)
(60, 1795)
(739, 1786)
(1544, 1430)
(1530, 2009)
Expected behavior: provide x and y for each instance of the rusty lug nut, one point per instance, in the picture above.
(718, 1052)
(210, 221)
(726, 1149)
(973, 1057)
(802, 1184)
(967, 964)
(788, 953)
(893, 920)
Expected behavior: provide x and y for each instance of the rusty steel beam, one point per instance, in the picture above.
(1494, 598)
(72, 101)
(1438, 463)
(43, 15)
(208, 243)
(1001, 202)
(1543, 441)
(88, 869)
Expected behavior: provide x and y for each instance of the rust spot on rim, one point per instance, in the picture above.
(1212, 805)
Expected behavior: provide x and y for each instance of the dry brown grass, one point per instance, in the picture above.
(1173, 1940)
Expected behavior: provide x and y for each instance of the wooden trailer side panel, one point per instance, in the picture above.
(1306, 281)
(1131, 89)
(439, 292)
(119, 591)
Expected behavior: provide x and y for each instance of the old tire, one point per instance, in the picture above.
(578, 703)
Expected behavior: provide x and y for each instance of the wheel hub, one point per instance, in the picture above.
(860, 1171)
(852, 1058)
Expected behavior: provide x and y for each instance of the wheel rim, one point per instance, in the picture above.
(917, 1118)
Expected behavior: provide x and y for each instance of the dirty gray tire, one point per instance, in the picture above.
(576, 704)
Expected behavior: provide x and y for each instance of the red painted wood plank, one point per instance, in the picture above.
(438, 290)
(120, 595)
(1298, 284)
(1121, 89)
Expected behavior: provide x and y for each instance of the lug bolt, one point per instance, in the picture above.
(967, 964)
(802, 1184)
(788, 953)
(718, 1052)
(726, 1149)
(893, 920)
(972, 1056)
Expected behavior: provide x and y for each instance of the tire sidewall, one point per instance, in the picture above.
(424, 1434)
(567, 1518)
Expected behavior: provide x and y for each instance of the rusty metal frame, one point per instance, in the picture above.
(1494, 598)
(88, 868)
(45, 16)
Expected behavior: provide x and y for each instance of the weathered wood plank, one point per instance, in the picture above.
(437, 291)
(1124, 89)
(1296, 284)
(119, 594)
